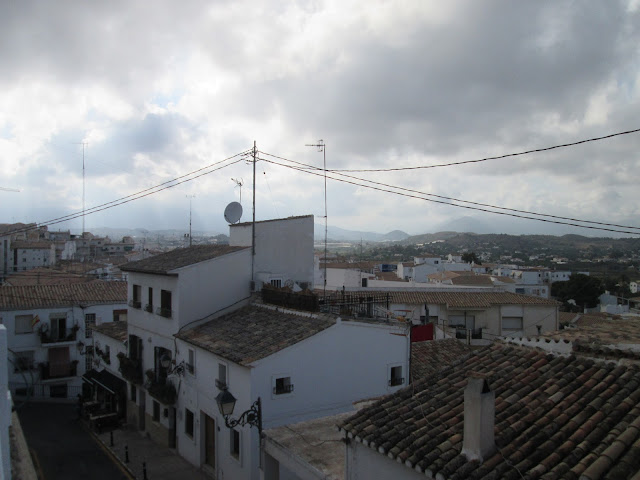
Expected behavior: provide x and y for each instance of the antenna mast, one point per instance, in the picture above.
(190, 197)
(239, 183)
(83, 145)
(322, 147)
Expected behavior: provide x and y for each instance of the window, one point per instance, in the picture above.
(282, 386)
(221, 381)
(234, 444)
(511, 324)
(120, 315)
(107, 355)
(156, 411)
(365, 282)
(191, 364)
(88, 361)
(135, 347)
(395, 376)
(165, 303)
(89, 319)
(134, 393)
(58, 327)
(23, 361)
(276, 282)
(136, 299)
(149, 306)
(188, 422)
(161, 372)
(24, 324)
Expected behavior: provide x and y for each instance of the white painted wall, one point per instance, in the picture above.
(5, 412)
(343, 277)
(283, 247)
(363, 463)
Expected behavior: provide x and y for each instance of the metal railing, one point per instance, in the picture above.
(281, 390)
(51, 370)
(164, 312)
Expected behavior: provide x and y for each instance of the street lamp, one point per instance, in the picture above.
(252, 417)
(165, 362)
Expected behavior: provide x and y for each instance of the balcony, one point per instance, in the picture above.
(65, 335)
(53, 370)
(131, 369)
(164, 312)
(135, 303)
(282, 389)
(165, 393)
(395, 381)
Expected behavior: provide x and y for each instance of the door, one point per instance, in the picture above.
(209, 441)
(141, 411)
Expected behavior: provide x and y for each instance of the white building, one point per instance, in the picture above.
(48, 331)
(301, 365)
(28, 255)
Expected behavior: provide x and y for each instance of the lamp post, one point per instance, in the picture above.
(165, 362)
(252, 417)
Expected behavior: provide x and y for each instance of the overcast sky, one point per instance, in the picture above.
(158, 90)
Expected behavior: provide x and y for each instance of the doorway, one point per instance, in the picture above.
(209, 441)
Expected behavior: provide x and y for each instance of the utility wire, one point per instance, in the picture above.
(456, 199)
(498, 157)
(134, 196)
(386, 190)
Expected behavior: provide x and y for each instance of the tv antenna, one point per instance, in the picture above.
(190, 197)
(239, 183)
(83, 145)
(322, 147)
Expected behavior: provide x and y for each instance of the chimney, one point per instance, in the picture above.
(479, 417)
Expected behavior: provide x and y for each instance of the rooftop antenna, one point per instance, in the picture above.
(322, 147)
(83, 145)
(190, 197)
(239, 183)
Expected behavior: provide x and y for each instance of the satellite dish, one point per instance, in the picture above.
(233, 212)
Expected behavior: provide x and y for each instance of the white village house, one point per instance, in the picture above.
(48, 331)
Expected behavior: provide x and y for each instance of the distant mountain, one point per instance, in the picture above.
(337, 234)
(465, 224)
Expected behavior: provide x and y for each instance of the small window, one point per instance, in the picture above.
(395, 376)
(511, 324)
(283, 386)
(25, 323)
(156, 411)
(136, 301)
(188, 422)
(149, 306)
(365, 282)
(89, 320)
(221, 381)
(191, 364)
(165, 304)
(276, 282)
(234, 443)
(120, 315)
(134, 393)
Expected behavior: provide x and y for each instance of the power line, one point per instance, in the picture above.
(307, 170)
(464, 201)
(498, 157)
(134, 196)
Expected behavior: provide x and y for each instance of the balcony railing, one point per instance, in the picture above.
(164, 312)
(131, 369)
(165, 393)
(282, 389)
(135, 303)
(66, 335)
(148, 308)
(50, 370)
(395, 381)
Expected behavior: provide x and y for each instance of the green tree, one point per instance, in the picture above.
(471, 257)
(582, 289)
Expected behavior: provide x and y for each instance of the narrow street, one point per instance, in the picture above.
(61, 446)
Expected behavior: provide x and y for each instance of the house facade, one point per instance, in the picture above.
(48, 330)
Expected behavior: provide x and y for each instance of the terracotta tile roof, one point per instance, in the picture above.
(556, 417)
(504, 279)
(446, 275)
(472, 280)
(254, 332)
(567, 317)
(22, 245)
(431, 356)
(45, 276)
(117, 330)
(181, 257)
(601, 331)
(460, 299)
(45, 296)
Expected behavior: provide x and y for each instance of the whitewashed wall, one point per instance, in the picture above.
(363, 463)
(283, 247)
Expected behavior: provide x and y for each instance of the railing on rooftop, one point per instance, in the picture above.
(284, 297)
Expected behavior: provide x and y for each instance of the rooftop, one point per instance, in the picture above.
(47, 296)
(599, 330)
(116, 330)
(478, 280)
(255, 332)
(556, 417)
(45, 276)
(165, 263)
(430, 356)
(23, 245)
(244, 224)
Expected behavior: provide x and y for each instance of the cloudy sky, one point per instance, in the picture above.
(157, 91)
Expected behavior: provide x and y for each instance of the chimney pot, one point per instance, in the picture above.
(479, 418)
